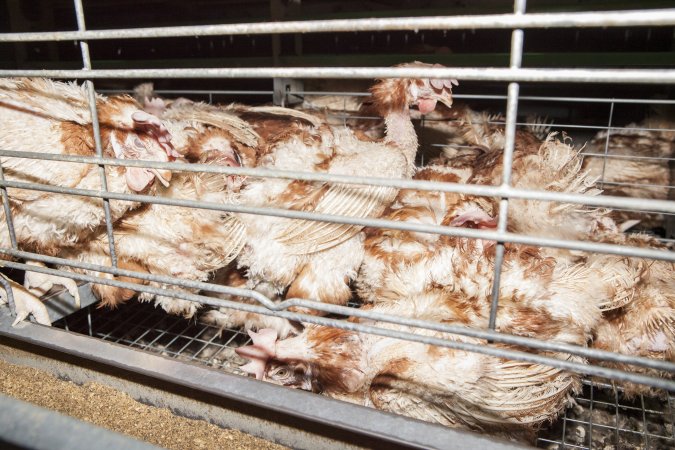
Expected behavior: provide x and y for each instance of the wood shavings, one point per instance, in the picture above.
(117, 411)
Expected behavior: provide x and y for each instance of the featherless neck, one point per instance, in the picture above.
(400, 131)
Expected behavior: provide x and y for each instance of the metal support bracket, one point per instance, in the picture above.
(282, 87)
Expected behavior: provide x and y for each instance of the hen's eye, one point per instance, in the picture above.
(282, 373)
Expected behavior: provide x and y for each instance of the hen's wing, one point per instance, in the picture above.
(509, 396)
(280, 111)
(215, 117)
(308, 236)
(44, 97)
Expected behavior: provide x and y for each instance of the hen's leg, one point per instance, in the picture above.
(232, 318)
(25, 303)
(40, 283)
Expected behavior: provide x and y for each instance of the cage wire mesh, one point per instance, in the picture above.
(600, 418)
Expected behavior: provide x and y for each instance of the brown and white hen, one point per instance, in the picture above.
(317, 260)
(181, 242)
(45, 116)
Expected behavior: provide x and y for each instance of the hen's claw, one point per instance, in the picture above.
(25, 303)
(39, 283)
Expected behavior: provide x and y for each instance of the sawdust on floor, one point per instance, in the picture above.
(117, 411)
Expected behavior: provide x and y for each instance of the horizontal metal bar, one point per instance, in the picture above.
(605, 201)
(366, 222)
(23, 425)
(643, 211)
(292, 402)
(367, 94)
(629, 157)
(339, 114)
(189, 92)
(642, 185)
(661, 17)
(568, 99)
(562, 75)
(395, 334)
(342, 310)
(591, 127)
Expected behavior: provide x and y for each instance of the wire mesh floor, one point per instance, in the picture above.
(601, 418)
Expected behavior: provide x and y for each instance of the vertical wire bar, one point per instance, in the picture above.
(10, 294)
(89, 326)
(616, 416)
(8, 212)
(590, 421)
(604, 159)
(84, 47)
(510, 137)
(645, 435)
(423, 124)
(564, 430)
(671, 415)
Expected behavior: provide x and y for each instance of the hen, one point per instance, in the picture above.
(639, 315)
(446, 279)
(544, 294)
(451, 387)
(644, 323)
(317, 260)
(44, 116)
(187, 243)
(643, 172)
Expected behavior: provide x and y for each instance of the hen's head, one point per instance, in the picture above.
(138, 135)
(218, 147)
(294, 375)
(398, 94)
(319, 357)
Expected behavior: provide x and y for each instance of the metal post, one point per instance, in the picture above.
(10, 294)
(509, 145)
(8, 211)
(79, 11)
(604, 159)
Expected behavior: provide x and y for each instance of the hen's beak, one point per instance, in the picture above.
(164, 176)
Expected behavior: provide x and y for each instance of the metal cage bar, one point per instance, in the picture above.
(661, 17)
(437, 229)
(271, 308)
(473, 189)
(468, 347)
(517, 37)
(86, 59)
(637, 76)
(518, 21)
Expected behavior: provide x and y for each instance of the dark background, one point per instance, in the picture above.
(577, 48)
